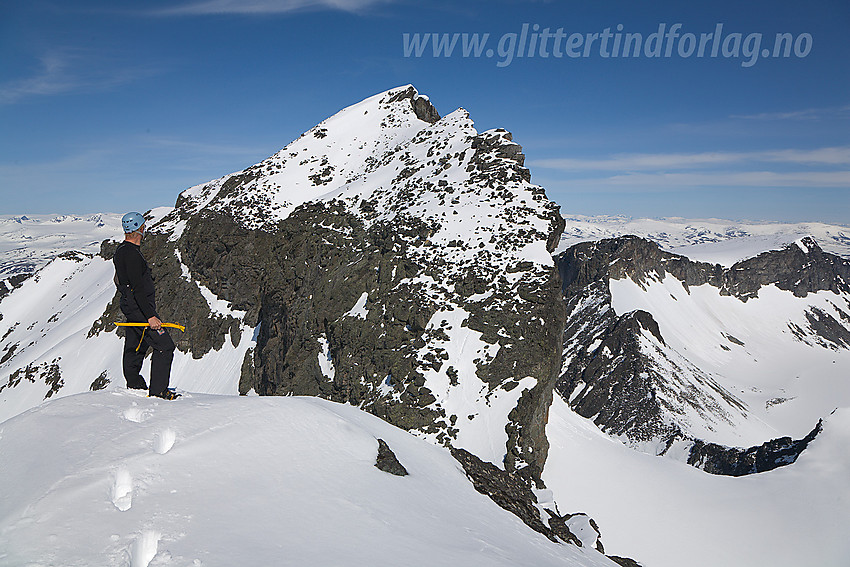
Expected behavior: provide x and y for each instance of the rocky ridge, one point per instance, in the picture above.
(619, 371)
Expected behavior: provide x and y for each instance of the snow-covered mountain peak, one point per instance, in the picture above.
(390, 157)
(325, 162)
(408, 253)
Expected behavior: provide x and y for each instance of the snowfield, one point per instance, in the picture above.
(121, 479)
(664, 513)
(749, 349)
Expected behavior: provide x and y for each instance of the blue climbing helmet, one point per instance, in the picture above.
(132, 222)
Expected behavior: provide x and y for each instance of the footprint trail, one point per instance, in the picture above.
(144, 549)
(122, 490)
(164, 441)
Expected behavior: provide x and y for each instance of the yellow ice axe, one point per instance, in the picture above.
(172, 325)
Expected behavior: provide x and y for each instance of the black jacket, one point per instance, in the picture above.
(134, 281)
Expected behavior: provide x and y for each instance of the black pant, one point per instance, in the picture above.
(136, 344)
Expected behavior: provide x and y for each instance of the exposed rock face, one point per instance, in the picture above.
(422, 107)
(387, 461)
(828, 330)
(619, 371)
(513, 494)
(606, 375)
(733, 461)
(12, 282)
(801, 268)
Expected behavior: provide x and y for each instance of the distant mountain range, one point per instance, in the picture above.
(707, 240)
(27, 242)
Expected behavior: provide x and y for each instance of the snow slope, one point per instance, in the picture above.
(751, 350)
(665, 513)
(124, 480)
(716, 241)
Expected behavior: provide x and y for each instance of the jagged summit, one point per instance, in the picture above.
(388, 156)
(329, 161)
(330, 155)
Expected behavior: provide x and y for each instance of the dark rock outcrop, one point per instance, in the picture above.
(422, 107)
(828, 329)
(624, 561)
(100, 382)
(734, 461)
(387, 461)
(47, 372)
(512, 494)
(801, 268)
(12, 282)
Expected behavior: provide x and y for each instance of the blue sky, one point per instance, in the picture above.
(114, 105)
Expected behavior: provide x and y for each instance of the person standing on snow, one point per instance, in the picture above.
(134, 281)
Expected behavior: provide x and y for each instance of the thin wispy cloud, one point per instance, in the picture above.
(52, 78)
(733, 179)
(65, 71)
(83, 160)
(173, 144)
(642, 183)
(834, 156)
(828, 113)
(204, 158)
(259, 7)
(138, 152)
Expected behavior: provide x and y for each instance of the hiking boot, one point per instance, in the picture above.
(166, 395)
